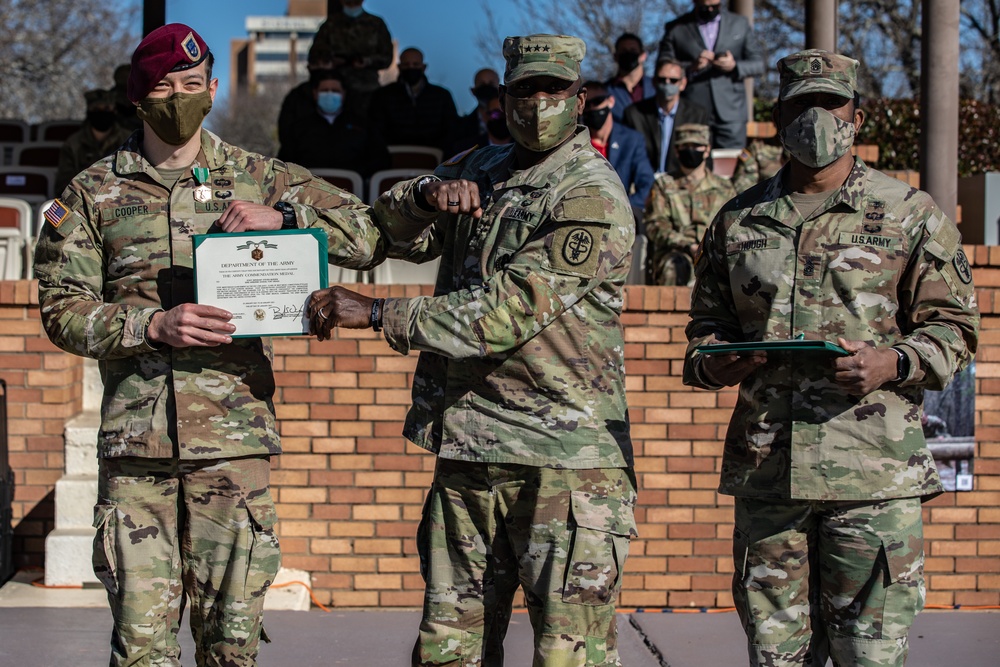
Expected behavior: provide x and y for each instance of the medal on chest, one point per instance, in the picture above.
(203, 192)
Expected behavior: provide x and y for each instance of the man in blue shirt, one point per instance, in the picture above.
(630, 84)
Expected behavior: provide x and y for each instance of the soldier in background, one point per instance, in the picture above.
(759, 161)
(126, 111)
(99, 136)
(520, 387)
(184, 508)
(825, 453)
(361, 46)
(681, 206)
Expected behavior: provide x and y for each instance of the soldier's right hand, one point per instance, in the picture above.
(458, 196)
(191, 325)
(731, 369)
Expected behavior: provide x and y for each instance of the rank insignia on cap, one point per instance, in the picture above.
(56, 213)
(816, 65)
(191, 49)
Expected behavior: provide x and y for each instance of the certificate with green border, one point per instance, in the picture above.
(263, 278)
(794, 346)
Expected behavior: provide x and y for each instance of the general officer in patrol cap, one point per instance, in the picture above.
(184, 514)
(825, 452)
(520, 388)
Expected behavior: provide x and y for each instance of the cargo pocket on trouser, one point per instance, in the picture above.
(263, 559)
(602, 528)
(105, 556)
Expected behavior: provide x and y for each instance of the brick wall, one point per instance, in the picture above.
(349, 488)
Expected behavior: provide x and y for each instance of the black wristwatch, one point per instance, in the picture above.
(418, 188)
(902, 365)
(287, 212)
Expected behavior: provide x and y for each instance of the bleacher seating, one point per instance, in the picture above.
(14, 131)
(37, 154)
(15, 238)
(415, 157)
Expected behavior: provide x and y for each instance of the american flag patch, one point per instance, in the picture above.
(56, 213)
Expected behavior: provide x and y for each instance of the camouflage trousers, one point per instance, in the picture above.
(171, 532)
(814, 580)
(670, 267)
(562, 535)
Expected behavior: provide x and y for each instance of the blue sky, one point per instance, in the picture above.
(446, 31)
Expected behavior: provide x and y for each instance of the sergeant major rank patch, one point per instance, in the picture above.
(962, 267)
(56, 213)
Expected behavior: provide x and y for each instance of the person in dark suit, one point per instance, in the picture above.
(413, 111)
(666, 111)
(622, 146)
(718, 50)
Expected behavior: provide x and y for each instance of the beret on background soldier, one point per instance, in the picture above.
(817, 71)
(692, 133)
(543, 55)
(172, 48)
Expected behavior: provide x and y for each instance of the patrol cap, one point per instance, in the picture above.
(816, 71)
(543, 55)
(99, 96)
(692, 133)
(171, 48)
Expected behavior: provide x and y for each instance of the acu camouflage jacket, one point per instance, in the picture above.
(123, 250)
(522, 352)
(878, 262)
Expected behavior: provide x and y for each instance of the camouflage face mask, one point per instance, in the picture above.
(175, 119)
(541, 124)
(816, 138)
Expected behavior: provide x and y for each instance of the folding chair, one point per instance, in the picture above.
(724, 161)
(637, 272)
(15, 235)
(14, 131)
(32, 184)
(415, 157)
(385, 179)
(38, 154)
(57, 130)
(345, 179)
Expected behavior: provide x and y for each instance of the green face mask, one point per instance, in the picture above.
(175, 119)
(540, 125)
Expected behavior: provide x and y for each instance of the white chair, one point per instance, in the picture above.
(37, 154)
(32, 184)
(57, 130)
(401, 272)
(385, 179)
(15, 226)
(637, 272)
(414, 157)
(345, 179)
(724, 161)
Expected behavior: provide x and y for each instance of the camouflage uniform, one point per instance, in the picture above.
(364, 37)
(828, 541)
(184, 431)
(679, 211)
(758, 162)
(520, 392)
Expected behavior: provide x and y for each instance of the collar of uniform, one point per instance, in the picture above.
(777, 205)
(130, 160)
(579, 141)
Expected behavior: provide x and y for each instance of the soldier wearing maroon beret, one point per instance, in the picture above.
(184, 513)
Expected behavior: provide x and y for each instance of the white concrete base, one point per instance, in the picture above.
(75, 498)
(80, 435)
(292, 597)
(68, 557)
(20, 592)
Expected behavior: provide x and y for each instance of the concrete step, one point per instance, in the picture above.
(75, 498)
(80, 435)
(68, 554)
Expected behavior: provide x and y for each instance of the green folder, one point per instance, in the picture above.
(797, 346)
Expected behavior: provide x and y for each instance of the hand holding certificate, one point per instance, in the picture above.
(263, 278)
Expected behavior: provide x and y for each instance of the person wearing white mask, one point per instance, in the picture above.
(335, 136)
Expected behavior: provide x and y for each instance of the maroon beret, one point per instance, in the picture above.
(170, 48)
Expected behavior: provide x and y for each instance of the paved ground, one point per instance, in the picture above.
(46, 628)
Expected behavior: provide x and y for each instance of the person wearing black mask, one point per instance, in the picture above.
(620, 145)
(718, 50)
(99, 136)
(412, 111)
(681, 206)
(630, 83)
(486, 125)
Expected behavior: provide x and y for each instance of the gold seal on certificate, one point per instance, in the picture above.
(263, 278)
